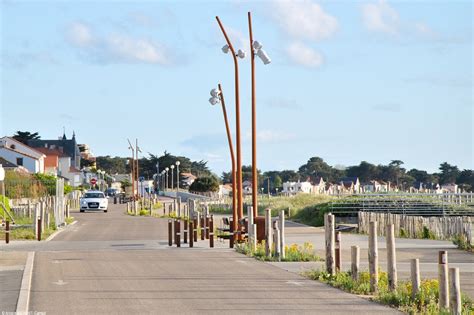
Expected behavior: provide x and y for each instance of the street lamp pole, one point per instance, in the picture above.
(166, 176)
(254, 124)
(137, 149)
(237, 123)
(213, 101)
(177, 177)
(172, 172)
(132, 166)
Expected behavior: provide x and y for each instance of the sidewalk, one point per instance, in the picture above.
(11, 273)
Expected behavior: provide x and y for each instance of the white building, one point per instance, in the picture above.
(22, 155)
(292, 188)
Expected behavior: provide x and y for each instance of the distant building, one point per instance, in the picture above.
(187, 179)
(450, 188)
(68, 147)
(375, 186)
(59, 164)
(350, 185)
(20, 154)
(319, 186)
(291, 188)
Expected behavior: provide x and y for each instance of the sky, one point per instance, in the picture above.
(349, 81)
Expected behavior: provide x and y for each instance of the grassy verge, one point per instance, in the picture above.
(292, 253)
(462, 243)
(425, 302)
(27, 232)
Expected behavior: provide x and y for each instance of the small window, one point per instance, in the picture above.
(19, 161)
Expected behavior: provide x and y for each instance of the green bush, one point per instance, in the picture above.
(462, 242)
(403, 233)
(427, 234)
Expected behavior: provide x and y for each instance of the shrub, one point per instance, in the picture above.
(292, 253)
(462, 242)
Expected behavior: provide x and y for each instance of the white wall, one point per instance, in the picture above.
(31, 164)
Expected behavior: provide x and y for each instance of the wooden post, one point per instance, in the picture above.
(455, 288)
(391, 257)
(185, 230)
(211, 232)
(415, 277)
(282, 234)
(268, 232)
(276, 238)
(178, 233)
(39, 229)
(35, 219)
(330, 236)
(254, 239)
(207, 226)
(355, 262)
(338, 251)
(48, 218)
(195, 227)
(250, 226)
(191, 236)
(373, 257)
(7, 231)
(202, 229)
(443, 279)
(29, 209)
(170, 233)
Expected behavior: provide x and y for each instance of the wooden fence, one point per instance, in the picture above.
(443, 228)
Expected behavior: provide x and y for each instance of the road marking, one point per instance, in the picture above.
(60, 282)
(57, 262)
(295, 283)
(24, 297)
(241, 261)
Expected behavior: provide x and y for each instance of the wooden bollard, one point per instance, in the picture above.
(231, 239)
(282, 234)
(185, 230)
(39, 229)
(175, 229)
(443, 279)
(276, 241)
(170, 233)
(330, 240)
(455, 289)
(195, 231)
(178, 233)
(338, 251)
(415, 277)
(203, 231)
(373, 257)
(268, 232)
(7, 232)
(207, 226)
(191, 229)
(355, 262)
(211, 232)
(391, 257)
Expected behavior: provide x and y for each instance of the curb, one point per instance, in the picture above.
(24, 297)
(58, 231)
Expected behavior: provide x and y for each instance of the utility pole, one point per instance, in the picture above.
(132, 166)
(137, 149)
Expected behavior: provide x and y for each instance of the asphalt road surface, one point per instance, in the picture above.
(114, 263)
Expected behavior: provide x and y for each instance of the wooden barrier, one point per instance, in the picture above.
(329, 225)
(373, 257)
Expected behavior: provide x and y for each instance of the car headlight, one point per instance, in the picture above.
(83, 202)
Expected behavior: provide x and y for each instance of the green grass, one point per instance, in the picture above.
(292, 253)
(462, 243)
(425, 302)
(28, 233)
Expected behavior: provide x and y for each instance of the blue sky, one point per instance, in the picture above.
(349, 81)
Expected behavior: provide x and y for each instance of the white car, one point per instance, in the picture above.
(94, 200)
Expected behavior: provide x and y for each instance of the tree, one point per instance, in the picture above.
(24, 136)
(112, 165)
(449, 173)
(466, 180)
(364, 171)
(205, 184)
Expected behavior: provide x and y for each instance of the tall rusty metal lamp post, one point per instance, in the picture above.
(255, 50)
(240, 54)
(218, 97)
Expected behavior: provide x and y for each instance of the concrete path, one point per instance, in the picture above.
(114, 263)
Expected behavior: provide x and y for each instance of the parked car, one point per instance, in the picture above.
(94, 200)
(111, 192)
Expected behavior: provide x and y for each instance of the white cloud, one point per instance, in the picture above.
(79, 34)
(380, 17)
(136, 50)
(272, 136)
(303, 55)
(116, 47)
(304, 20)
(238, 39)
(424, 30)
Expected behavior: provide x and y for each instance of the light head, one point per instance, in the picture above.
(178, 163)
(225, 49)
(262, 54)
(241, 54)
(257, 45)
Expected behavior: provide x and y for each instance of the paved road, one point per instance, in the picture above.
(113, 263)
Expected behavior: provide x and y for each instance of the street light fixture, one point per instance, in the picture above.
(166, 176)
(256, 50)
(218, 97)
